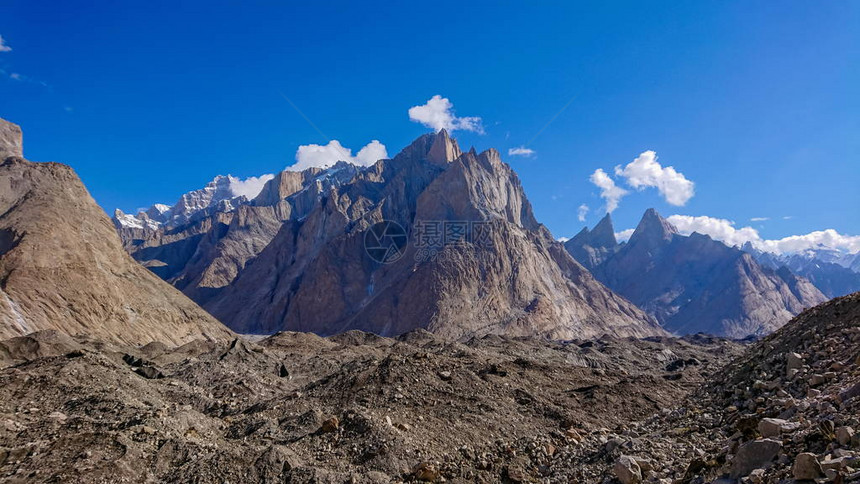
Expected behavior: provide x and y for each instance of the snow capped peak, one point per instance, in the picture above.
(139, 221)
(224, 193)
(160, 208)
(127, 220)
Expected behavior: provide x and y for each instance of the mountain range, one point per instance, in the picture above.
(286, 259)
(293, 257)
(833, 272)
(693, 283)
(468, 258)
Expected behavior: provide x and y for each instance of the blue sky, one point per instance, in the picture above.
(756, 103)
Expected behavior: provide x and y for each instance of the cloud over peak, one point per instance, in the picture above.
(581, 212)
(726, 232)
(438, 113)
(324, 156)
(249, 187)
(608, 190)
(521, 151)
(645, 171)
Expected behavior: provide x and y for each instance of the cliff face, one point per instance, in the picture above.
(63, 267)
(308, 269)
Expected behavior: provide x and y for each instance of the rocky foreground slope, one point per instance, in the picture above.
(62, 265)
(787, 411)
(296, 407)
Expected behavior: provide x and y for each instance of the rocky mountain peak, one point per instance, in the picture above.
(603, 234)
(653, 229)
(592, 247)
(11, 140)
(444, 149)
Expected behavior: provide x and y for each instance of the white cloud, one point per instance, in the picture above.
(581, 212)
(521, 151)
(249, 187)
(725, 231)
(759, 219)
(608, 190)
(718, 228)
(370, 154)
(624, 235)
(324, 156)
(16, 77)
(438, 113)
(563, 239)
(3, 46)
(788, 217)
(645, 171)
(821, 238)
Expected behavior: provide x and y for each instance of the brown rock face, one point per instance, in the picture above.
(62, 267)
(11, 140)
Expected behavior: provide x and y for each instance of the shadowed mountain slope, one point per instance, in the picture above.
(62, 265)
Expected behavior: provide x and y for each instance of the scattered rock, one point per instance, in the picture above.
(794, 361)
(806, 467)
(773, 427)
(627, 470)
(330, 425)
(844, 435)
(426, 472)
(753, 455)
(149, 372)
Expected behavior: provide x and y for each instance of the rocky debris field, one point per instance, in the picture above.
(785, 412)
(356, 407)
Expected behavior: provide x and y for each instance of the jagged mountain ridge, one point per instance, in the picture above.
(694, 283)
(592, 247)
(205, 253)
(62, 265)
(834, 278)
(312, 273)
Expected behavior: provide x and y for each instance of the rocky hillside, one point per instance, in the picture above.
(693, 283)
(786, 412)
(474, 260)
(63, 267)
(350, 408)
